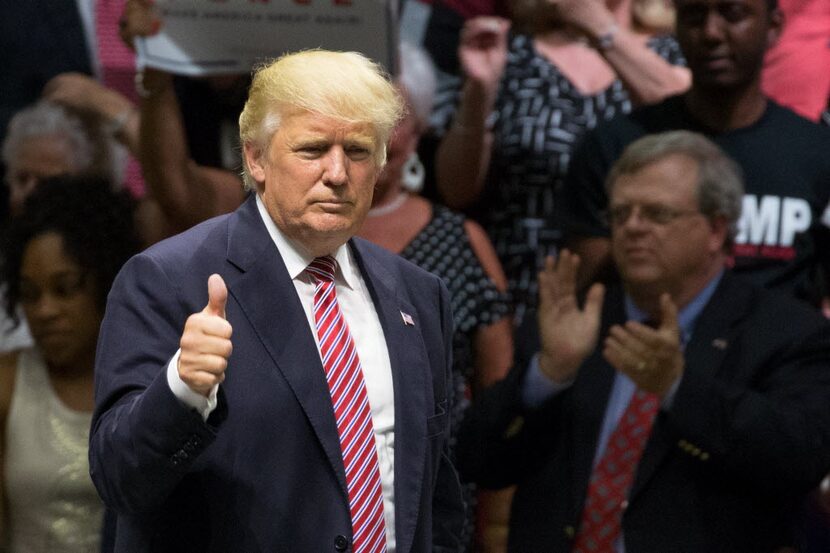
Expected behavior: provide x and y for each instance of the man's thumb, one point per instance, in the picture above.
(217, 296)
(668, 315)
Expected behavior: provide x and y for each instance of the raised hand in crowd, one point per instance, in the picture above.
(138, 19)
(186, 192)
(84, 93)
(482, 51)
(568, 332)
(589, 16)
(527, 98)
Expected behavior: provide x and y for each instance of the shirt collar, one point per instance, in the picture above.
(687, 316)
(296, 259)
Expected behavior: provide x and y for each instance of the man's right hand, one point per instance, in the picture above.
(206, 342)
(568, 334)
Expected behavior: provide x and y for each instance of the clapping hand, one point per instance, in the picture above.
(569, 333)
(651, 357)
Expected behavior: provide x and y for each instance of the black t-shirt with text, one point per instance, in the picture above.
(783, 232)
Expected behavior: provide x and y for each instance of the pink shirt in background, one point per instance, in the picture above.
(117, 63)
(797, 69)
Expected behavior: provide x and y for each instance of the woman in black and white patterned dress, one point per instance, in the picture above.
(525, 102)
(449, 246)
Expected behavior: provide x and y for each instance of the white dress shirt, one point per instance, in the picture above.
(358, 310)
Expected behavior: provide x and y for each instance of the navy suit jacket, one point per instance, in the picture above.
(747, 435)
(265, 472)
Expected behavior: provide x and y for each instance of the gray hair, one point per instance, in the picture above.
(91, 149)
(720, 186)
(46, 118)
(416, 76)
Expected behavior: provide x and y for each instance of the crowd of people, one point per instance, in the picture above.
(560, 282)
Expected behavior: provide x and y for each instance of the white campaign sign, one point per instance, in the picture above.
(216, 37)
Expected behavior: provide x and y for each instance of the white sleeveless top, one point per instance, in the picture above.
(52, 505)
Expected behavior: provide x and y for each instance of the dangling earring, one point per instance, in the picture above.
(413, 174)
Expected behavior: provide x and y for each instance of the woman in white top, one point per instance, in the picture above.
(60, 257)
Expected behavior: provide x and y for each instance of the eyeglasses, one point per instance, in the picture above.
(657, 214)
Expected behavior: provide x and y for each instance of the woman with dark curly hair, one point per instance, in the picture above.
(59, 260)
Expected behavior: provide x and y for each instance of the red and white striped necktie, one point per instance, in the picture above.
(351, 410)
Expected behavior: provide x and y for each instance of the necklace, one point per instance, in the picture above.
(386, 209)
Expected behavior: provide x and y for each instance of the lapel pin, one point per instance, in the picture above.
(407, 319)
(719, 343)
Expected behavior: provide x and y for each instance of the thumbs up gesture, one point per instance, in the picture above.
(206, 341)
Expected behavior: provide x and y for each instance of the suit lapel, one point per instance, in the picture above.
(704, 355)
(267, 297)
(265, 293)
(410, 381)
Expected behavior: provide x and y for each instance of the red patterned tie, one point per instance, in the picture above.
(351, 410)
(611, 481)
(117, 72)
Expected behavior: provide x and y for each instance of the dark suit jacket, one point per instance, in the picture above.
(747, 435)
(265, 472)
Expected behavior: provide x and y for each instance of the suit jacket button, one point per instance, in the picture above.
(341, 543)
(514, 427)
(570, 531)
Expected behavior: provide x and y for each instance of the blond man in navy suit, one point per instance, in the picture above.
(214, 428)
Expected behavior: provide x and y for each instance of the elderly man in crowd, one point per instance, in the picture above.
(685, 410)
(264, 381)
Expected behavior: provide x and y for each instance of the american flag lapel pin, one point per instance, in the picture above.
(407, 319)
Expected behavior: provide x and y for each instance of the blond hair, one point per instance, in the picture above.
(342, 85)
